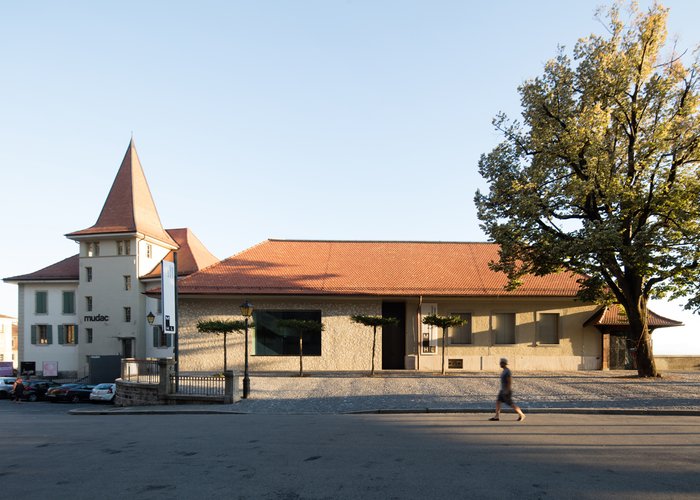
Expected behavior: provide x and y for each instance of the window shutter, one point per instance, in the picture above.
(49, 338)
(169, 340)
(155, 337)
(75, 329)
(61, 335)
(33, 334)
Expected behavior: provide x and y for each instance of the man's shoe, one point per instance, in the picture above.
(494, 419)
(521, 418)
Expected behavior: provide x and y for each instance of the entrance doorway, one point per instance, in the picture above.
(394, 336)
(127, 347)
(621, 353)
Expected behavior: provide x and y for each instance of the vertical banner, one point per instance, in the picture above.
(168, 297)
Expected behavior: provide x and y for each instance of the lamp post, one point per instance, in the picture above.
(246, 312)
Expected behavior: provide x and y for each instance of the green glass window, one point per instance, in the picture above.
(273, 340)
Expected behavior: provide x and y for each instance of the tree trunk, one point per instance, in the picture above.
(638, 316)
(301, 355)
(225, 363)
(374, 347)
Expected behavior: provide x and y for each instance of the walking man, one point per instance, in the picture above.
(505, 395)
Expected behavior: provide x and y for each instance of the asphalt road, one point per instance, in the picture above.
(47, 453)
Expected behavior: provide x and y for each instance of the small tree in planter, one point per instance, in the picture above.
(443, 322)
(301, 326)
(222, 326)
(375, 322)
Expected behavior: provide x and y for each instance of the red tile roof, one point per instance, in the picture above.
(192, 255)
(369, 268)
(67, 269)
(129, 207)
(615, 316)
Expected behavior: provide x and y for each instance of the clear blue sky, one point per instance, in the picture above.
(265, 119)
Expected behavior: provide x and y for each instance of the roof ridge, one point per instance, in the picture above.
(380, 241)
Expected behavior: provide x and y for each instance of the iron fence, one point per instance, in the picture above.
(142, 371)
(198, 385)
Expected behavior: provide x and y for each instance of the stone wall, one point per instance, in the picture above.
(345, 345)
(135, 394)
(677, 363)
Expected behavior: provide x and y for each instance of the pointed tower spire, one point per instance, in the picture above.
(129, 207)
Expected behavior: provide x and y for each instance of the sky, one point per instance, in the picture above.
(326, 119)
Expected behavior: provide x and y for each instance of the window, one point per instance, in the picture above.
(124, 247)
(503, 325)
(160, 338)
(548, 329)
(88, 274)
(41, 334)
(127, 314)
(88, 303)
(88, 332)
(127, 282)
(67, 334)
(42, 303)
(149, 250)
(273, 340)
(462, 334)
(93, 248)
(68, 302)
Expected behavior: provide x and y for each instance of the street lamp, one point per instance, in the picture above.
(151, 318)
(246, 312)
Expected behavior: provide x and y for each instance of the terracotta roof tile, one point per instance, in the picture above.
(129, 207)
(192, 255)
(373, 268)
(615, 316)
(67, 269)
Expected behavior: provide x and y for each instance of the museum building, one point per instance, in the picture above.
(82, 315)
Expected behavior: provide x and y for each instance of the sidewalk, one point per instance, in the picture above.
(406, 392)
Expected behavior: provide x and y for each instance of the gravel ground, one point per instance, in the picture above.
(356, 392)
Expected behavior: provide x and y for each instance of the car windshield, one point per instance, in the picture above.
(103, 387)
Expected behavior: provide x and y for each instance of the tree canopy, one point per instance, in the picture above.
(601, 175)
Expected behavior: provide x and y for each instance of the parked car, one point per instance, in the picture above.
(6, 384)
(103, 393)
(73, 393)
(35, 390)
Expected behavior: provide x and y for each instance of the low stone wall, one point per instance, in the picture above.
(686, 363)
(135, 394)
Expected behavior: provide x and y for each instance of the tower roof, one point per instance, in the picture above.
(129, 207)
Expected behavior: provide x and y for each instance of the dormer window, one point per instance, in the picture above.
(123, 247)
(93, 248)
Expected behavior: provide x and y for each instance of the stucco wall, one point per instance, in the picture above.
(344, 345)
(347, 346)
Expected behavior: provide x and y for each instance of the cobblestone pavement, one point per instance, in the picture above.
(356, 392)
(400, 391)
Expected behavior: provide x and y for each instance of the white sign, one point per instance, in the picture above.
(167, 297)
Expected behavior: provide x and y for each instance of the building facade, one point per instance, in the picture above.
(8, 340)
(540, 326)
(92, 306)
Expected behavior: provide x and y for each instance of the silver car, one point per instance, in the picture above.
(103, 392)
(6, 384)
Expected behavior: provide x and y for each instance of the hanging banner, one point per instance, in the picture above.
(167, 296)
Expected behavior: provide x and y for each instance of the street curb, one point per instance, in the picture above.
(399, 411)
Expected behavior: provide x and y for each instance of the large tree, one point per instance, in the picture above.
(601, 176)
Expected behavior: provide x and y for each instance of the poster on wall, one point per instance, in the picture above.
(6, 369)
(168, 297)
(49, 368)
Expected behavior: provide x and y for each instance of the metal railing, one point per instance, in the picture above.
(198, 384)
(143, 371)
